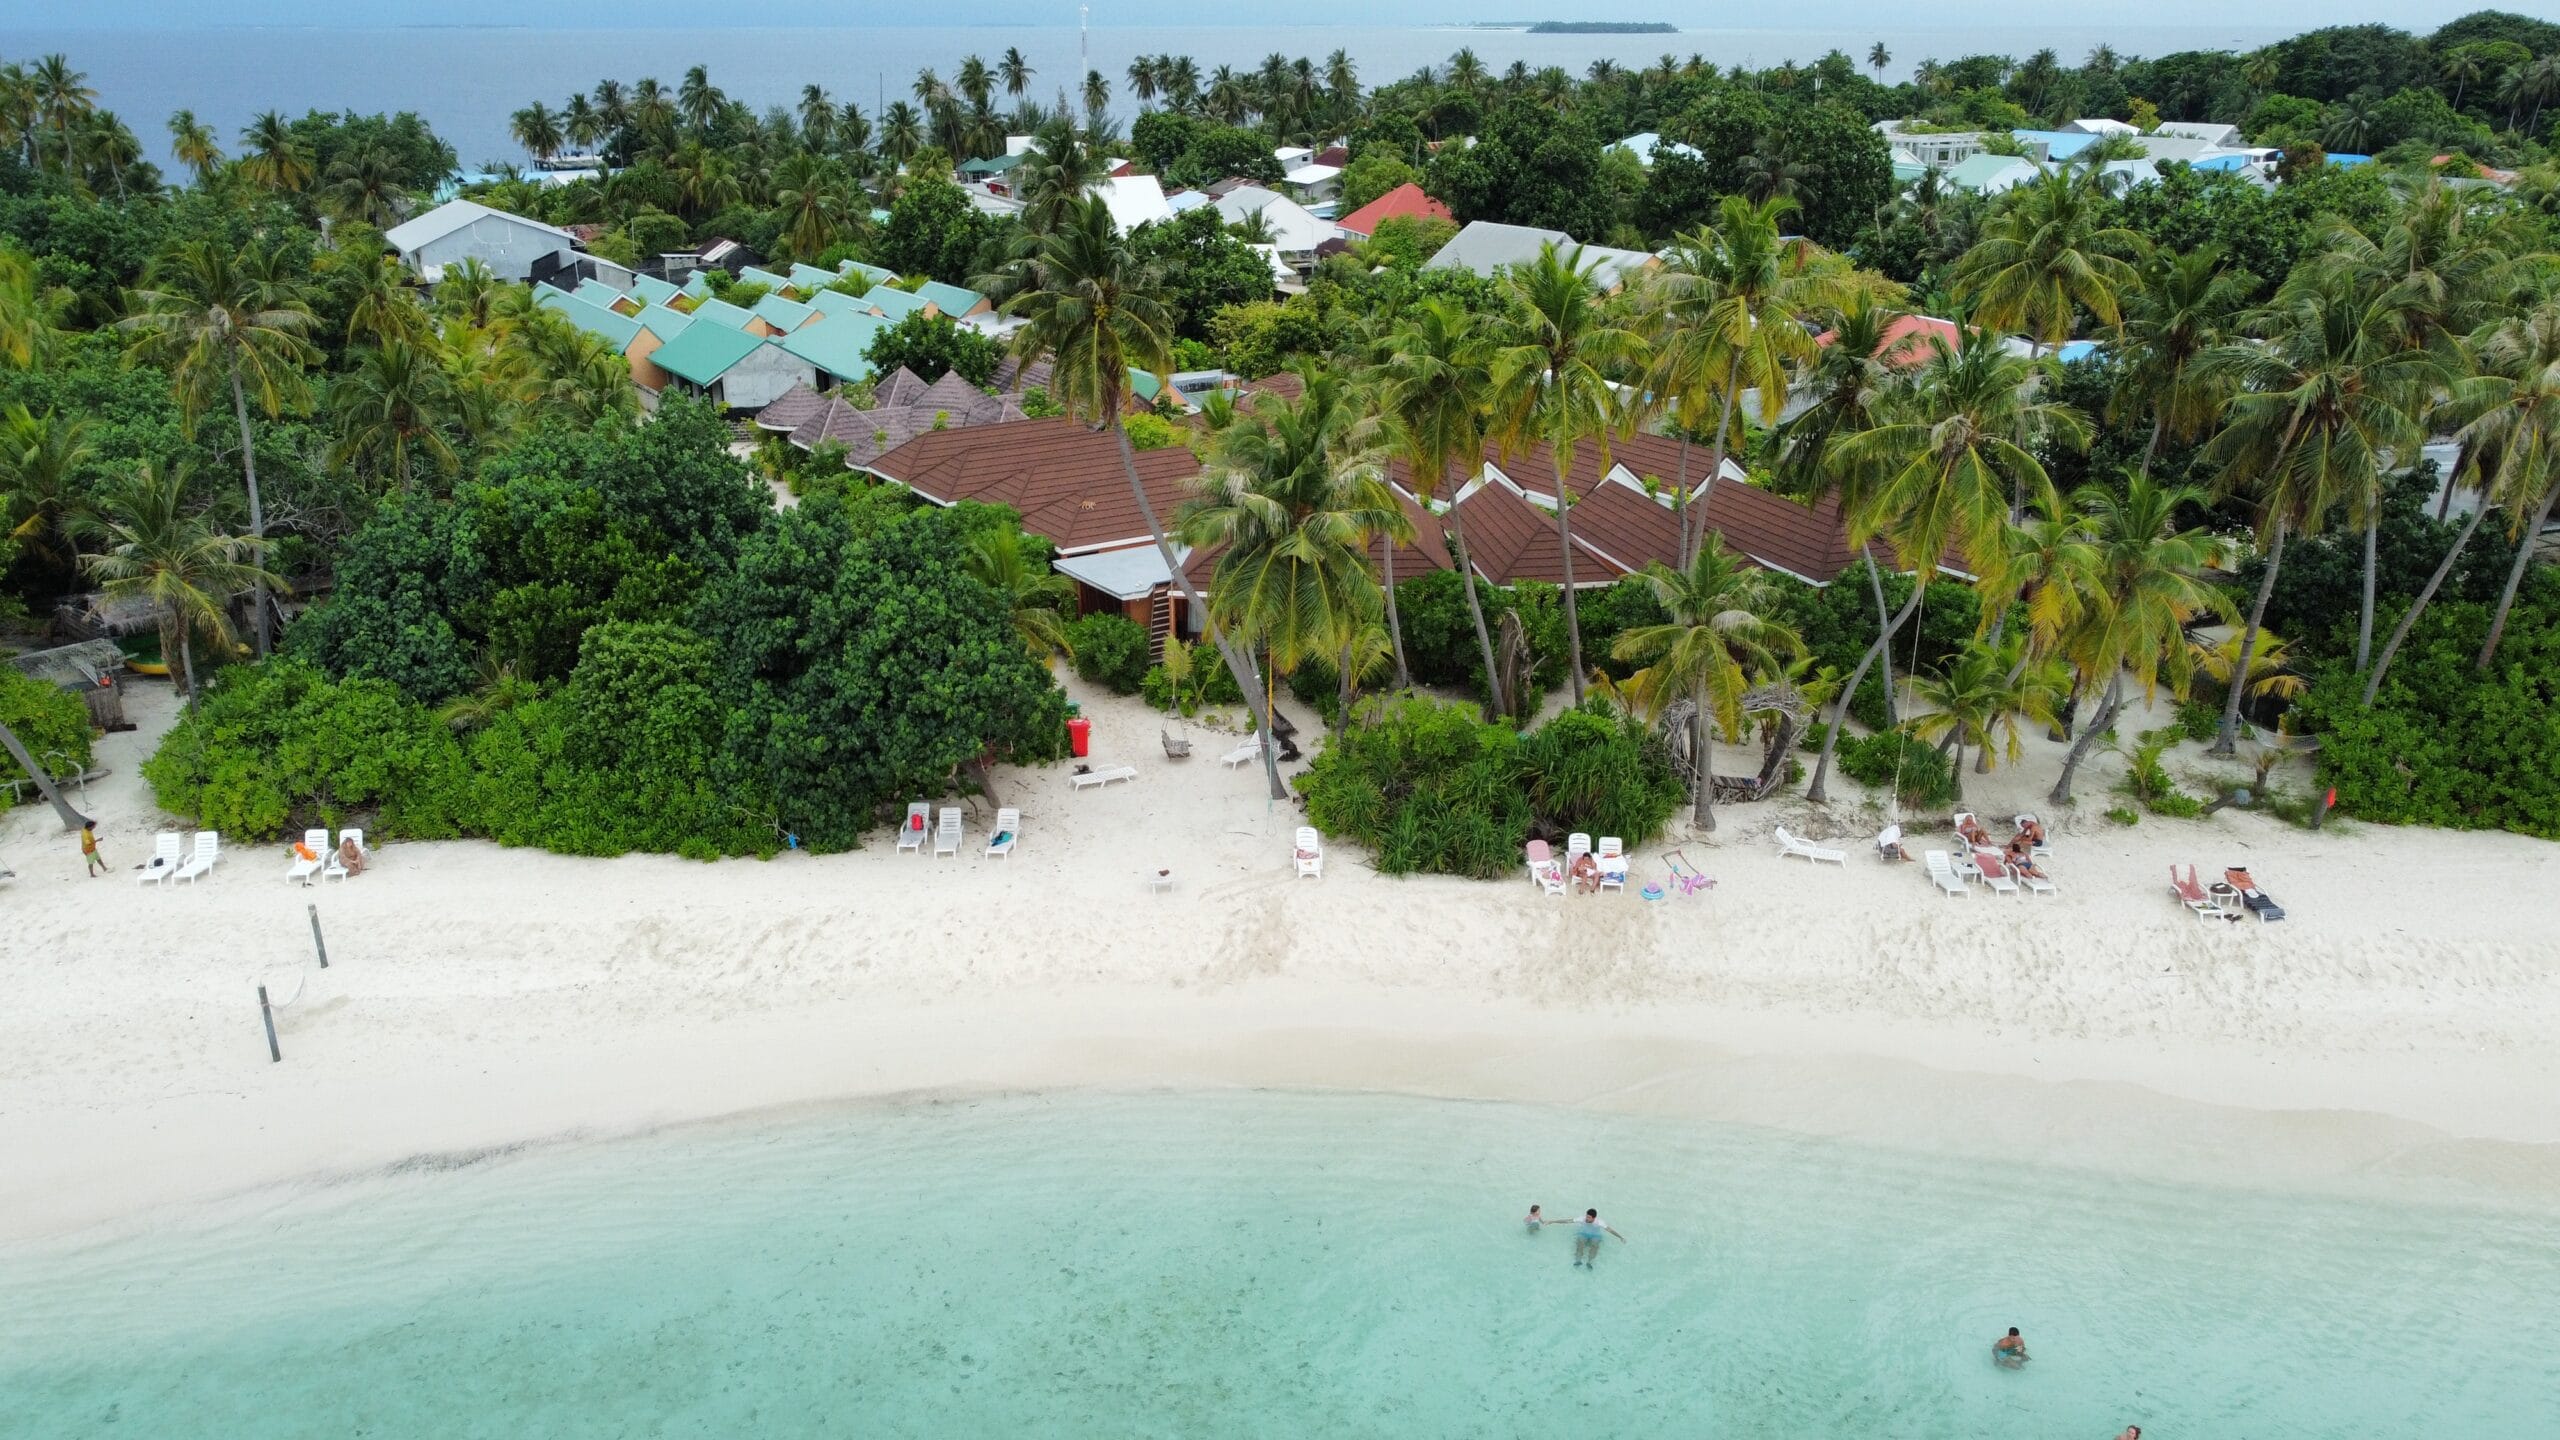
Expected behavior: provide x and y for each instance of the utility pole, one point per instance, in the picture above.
(1084, 50)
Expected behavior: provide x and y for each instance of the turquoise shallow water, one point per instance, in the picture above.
(1277, 1265)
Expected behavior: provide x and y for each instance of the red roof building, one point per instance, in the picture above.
(1906, 340)
(1405, 201)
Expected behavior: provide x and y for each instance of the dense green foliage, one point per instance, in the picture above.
(933, 346)
(1433, 789)
(52, 723)
(1205, 265)
(934, 231)
(1110, 650)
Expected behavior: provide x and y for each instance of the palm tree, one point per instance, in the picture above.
(537, 129)
(612, 106)
(2513, 441)
(220, 321)
(159, 551)
(1436, 392)
(1936, 479)
(814, 204)
(276, 157)
(393, 404)
(2046, 256)
(1037, 595)
(1097, 99)
(1717, 641)
(66, 98)
(381, 304)
(191, 140)
(1142, 80)
(1015, 72)
(2348, 126)
(1099, 313)
(2461, 68)
(817, 117)
(580, 125)
(2146, 582)
(901, 132)
(1980, 699)
(2320, 408)
(21, 107)
(653, 111)
(1295, 496)
(1878, 57)
(364, 186)
(105, 145)
(1181, 82)
(41, 460)
(1555, 348)
(698, 101)
(2179, 311)
(29, 310)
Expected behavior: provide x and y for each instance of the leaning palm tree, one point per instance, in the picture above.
(2514, 442)
(2320, 408)
(276, 158)
(2182, 309)
(1717, 642)
(1557, 347)
(1436, 391)
(1037, 596)
(393, 404)
(191, 140)
(1939, 477)
(2147, 580)
(1099, 314)
(2046, 256)
(67, 100)
(1015, 72)
(159, 551)
(230, 323)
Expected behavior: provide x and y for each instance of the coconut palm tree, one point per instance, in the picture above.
(2320, 407)
(104, 145)
(1557, 347)
(1937, 477)
(1435, 388)
(1037, 595)
(393, 404)
(814, 204)
(1015, 72)
(817, 118)
(41, 461)
(1980, 698)
(2146, 581)
(191, 140)
(1099, 313)
(1295, 495)
(1717, 641)
(1096, 98)
(21, 109)
(2347, 126)
(537, 129)
(276, 158)
(2514, 442)
(29, 310)
(381, 305)
(653, 112)
(2461, 67)
(364, 186)
(2047, 255)
(67, 100)
(1143, 82)
(901, 132)
(698, 101)
(159, 551)
(1878, 57)
(226, 323)
(2180, 311)
(612, 106)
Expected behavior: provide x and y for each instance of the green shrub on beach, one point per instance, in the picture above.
(1110, 651)
(52, 723)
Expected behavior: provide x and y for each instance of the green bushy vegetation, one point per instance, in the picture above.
(1110, 651)
(52, 723)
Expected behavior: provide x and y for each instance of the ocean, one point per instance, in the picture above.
(467, 81)
(1251, 1264)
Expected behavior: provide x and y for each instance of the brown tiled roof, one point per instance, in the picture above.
(1066, 481)
(1511, 540)
(1426, 552)
(1012, 375)
(791, 409)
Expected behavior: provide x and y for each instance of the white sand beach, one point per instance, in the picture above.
(2399, 1025)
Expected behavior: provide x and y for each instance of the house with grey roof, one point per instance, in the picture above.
(1487, 248)
(510, 246)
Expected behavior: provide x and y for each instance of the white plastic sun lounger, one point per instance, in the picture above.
(335, 868)
(1995, 874)
(1246, 753)
(1008, 830)
(1942, 874)
(2042, 850)
(1807, 850)
(1612, 858)
(946, 839)
(208, 850)
(919, 823)
(2036, 884)
(166, 855)
(317, 842)
(1544, 872)
(1309, 853)
(1092, 778)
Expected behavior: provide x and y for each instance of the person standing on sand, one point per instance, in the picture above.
(1587, 1235)
(2010, 1350)
(89, 851)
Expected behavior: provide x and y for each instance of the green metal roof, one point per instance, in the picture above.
(704, 353)
(751, 275)
(810, 279)
(697, 284)
(1148, 386)
(951, 299)
(664, 321)
(721, 312)
(993, 164)
(838, 345)
(873, 273)
(615, 329)
(783, 315)
(596, 292)
(652, 290)
(896, 304)
(836, 302)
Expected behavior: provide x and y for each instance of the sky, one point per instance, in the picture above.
(2418, 15)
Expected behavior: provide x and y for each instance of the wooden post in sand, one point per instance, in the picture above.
(316, 942)
(268, 1014)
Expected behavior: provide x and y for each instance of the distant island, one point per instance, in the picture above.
(1603, 27)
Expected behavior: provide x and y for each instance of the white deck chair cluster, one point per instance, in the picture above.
(167, 853)
(1942, 873)
(1244, 754)
(335, 867)
(1096, 779)
(317, 842)
(1612, 857)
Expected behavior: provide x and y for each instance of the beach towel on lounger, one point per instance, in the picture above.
(2260, 903)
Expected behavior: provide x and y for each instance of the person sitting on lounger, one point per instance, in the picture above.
(1889, 845)
(350, 856)
(1586, 872)
(2030, 831)
(1973, 833)
(2021, 856)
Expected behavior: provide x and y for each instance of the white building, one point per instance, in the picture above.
(458, 230)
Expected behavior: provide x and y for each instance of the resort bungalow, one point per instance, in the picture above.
(1939, 150)
(1312, 184)
(732, 367)
(1646, 144)
(838, 347)
(1294, 230)
(955, 301)
(1405, 202)
(1989, 174)
(510, 246)
(1487, 249)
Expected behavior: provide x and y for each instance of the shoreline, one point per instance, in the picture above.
(2393, 1035)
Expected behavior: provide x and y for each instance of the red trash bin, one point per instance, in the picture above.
(1080, 736)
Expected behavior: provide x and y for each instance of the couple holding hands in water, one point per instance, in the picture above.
(1588, 1232)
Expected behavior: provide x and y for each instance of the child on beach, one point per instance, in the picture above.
(89, 851)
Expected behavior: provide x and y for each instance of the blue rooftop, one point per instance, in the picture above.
(2058, 144)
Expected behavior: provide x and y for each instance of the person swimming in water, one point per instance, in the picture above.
(1535, 1221)
(1588, 1232)
(2010, 1350)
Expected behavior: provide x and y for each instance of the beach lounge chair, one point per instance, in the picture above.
(1612, 856)
(1008, 830)
(1942, 873)
(1576, 845)
(2260, 903)
(1544, 872)
(1094, 779)
(1995, 873)
(317, 842)
(918, 824)
(1807, 850)
(2042, 849)
(165, 857)
(1889, 843)
(1309, 853)
(208, 850)
(2036, 884)
(2192, 894)
(946, 837)
(335, 868)
(1686, 877)
(1244, 754)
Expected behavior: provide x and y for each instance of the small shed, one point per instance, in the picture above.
(87, 668)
